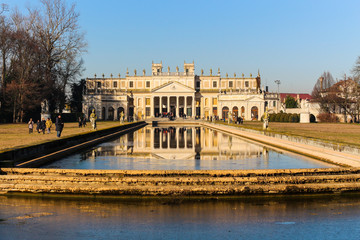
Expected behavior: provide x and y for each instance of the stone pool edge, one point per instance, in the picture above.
(173, 183)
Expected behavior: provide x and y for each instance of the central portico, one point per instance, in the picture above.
(173, 97)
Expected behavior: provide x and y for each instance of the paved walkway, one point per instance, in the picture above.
(328, 155)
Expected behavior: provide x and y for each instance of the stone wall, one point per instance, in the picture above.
(179, 183)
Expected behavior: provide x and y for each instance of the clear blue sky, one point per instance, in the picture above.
(293, 41)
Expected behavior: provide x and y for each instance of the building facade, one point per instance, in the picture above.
(142, 96)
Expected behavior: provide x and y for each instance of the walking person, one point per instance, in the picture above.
(48, 125)
(38, 125)
(31, 125)
(43, 125)
(59, 125)
(80, 122)
(84, 122)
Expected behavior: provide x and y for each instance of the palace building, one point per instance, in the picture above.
(180, 93)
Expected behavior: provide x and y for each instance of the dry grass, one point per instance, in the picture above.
(331, 132)
(16, 135)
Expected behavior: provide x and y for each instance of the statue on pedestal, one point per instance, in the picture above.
(122, 117)
(45, 110)
(93, 118)
(266, 119)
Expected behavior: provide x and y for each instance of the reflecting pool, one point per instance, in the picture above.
(330, 217)
(182, 148)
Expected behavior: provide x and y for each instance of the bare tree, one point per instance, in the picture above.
(356, 70)
(58, 32)
(68, 72)
(5, 48)
(25, 81)
(322, 86)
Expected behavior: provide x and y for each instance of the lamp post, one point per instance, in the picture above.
(278, 82)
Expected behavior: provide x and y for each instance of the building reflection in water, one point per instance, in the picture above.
(180, 143)
(182, 148)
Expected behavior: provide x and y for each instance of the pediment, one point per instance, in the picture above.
(254, 99)
(172, 87)
(175, 156)
(241, 97)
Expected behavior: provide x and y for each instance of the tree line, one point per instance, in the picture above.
(340, 96)
(40, 58)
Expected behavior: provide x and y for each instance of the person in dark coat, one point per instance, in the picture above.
(80, 122)
(59, 125)
(84, 122)
(43, 125)
(38, 125)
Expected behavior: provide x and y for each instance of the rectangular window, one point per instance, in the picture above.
(274, 104)
(247, 84)
(147, 101)
(230, 84)
(198, 84)
(99, 84)
(214, 84)
(148, 84)
(131, 84)
(147, 110)
(214, 101)
(115, 84)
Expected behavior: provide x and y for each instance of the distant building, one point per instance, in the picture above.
(142, 96)
(342, 99)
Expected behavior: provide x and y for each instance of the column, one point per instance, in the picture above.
(202, 107)
(144, 109)
(152, 106)
(168, 104)
(193, 137)
(160, 105)
(152, 140)
(177, 106)
(185, 105)
(116, 114)
(161, 139)
(168, 140)
(177, 137)
(193, 107)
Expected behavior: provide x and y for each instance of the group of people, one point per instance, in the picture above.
(43, 125)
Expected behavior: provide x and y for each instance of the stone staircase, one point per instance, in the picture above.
(179, 183)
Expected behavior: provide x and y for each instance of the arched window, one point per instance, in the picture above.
(242, 111)
(235, 111)
(254, 113)
(225, 111)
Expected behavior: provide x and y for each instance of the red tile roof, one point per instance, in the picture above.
(295, 95)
